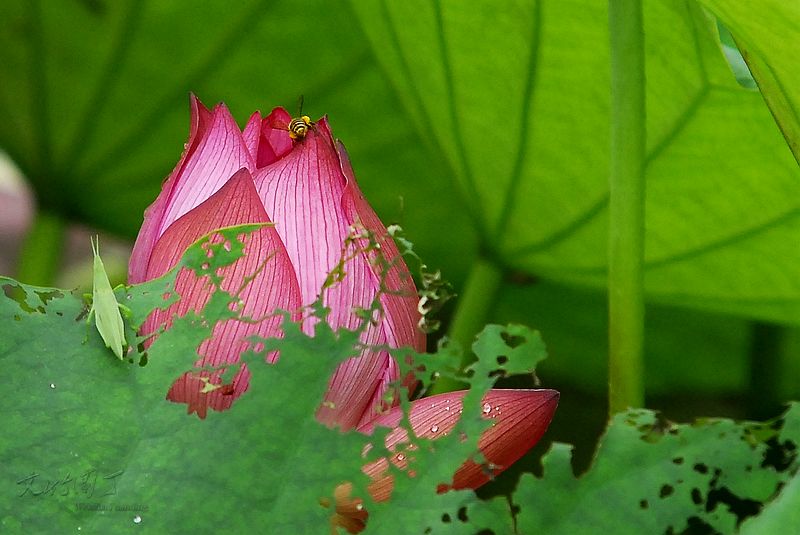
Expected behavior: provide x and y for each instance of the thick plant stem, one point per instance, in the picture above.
(41, 250)
(766, 345)
(626, 210)
(473, 305)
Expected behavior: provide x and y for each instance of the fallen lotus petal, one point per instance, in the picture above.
(520, 418)
(307, 189)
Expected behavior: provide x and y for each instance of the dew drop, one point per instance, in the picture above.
(137, 519)
(359, 506)
(487, 408)
(434, 429)
(52, 385)
(400, 457)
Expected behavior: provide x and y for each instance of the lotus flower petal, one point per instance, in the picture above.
(307, 194)
(267, 138)
(214, 152)
(400, 302)
(274, 287)
(307, 186)
(520, 419)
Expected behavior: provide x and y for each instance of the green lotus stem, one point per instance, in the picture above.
(41, 250)
(473, 306)
(626, 209)
(766, 346)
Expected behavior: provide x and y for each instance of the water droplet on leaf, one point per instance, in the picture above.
(52, 385)
(137, 519)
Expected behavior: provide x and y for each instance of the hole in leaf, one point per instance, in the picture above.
(511, 340)
(462, 514)
(18, 295)
(741, 507)
(47, 296)
(700, 468)
(698, 526)
(779, 456)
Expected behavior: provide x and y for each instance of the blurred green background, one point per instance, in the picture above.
(482, 129)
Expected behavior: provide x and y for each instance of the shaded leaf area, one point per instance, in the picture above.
(767, 33)
(686, 351)
(95, 102)
(654, 476)
(722, 187)
(93, 444)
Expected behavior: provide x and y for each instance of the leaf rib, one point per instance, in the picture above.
(595, 209)
(472, 196)
(701, 250)
(526, 108)
(39, 101)
(227, 43)
(105, 83)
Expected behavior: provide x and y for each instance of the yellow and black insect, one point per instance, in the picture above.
(298, 127)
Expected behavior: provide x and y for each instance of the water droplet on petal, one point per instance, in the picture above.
(137, 519)
(434, 429)
(487, 408)
(400, 457)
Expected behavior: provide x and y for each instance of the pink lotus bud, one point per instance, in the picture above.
(305, 186)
